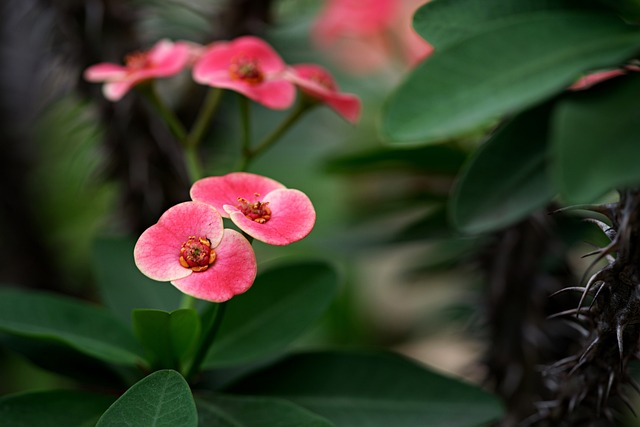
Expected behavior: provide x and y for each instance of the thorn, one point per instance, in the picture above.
(595, 297)
(620, 336)
(596, 252)
(609, 231)
(575, 311)
(609, 385)
(593, 279)
(578, 366)
(573, 403)
(600, 400)
(583, 357)
(578, 327)
(564, 361)
(570, 288)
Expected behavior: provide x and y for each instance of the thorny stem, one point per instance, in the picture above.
(597, 375)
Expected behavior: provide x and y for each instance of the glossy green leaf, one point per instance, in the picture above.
(87, 328)
(503, 70)
(122, 287)
(242, 411)
(170, 338)
(281, 305)
(507, 177)
(437, 159)
(595, 140)
(446, 22)
(53, 408)
(373, 389)
(162, 399)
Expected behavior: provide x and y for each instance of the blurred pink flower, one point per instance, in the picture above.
(164, 59)
(319, 84)
(261, 207)
(189, 248)
(364, 35)
(247, 65)
(592, 79)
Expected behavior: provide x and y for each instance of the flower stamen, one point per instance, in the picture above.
(137, 60)
(247, 70)
(255, 211)
(196, 254)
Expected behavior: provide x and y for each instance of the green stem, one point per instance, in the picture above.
(149, 91)
(276, 134)
(209, 331)
(192, 162)
(208, 109)
(187, 301)
(245, 121)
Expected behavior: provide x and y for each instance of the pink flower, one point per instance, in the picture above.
(366, 35)
(594, 78)
(189, 248)
(247, 65)
(163, 60)
(259, 206)
(318, 83)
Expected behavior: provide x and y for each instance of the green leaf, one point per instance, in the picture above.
(595, 140)
(160, 399)
(444, 23)
(170, 338)
(373, 389)
(438, 159)
(628, 9)
(503, 70)
(506, 179)
(64, 360)
(241, 411)
(89, 329)
(280, 306)
(53, 408)
(122, 287)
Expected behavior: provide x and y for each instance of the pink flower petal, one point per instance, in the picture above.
(218, 191)
(169, 58)
(116, 90)
(232, 273)
(592, 79)
(258, 49)
(157, 251)
(104, 72)
(347, 105)
(318, 82)
(292, 218)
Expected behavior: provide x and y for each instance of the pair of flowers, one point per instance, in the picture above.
(190, 248)
(247, 65)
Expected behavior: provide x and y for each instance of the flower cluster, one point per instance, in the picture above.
(190, 248)
(247, 65)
